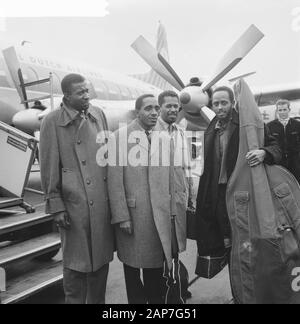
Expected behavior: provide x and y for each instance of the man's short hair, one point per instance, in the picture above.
(283, 102)
(226, 89)
(69, 80)
(140, 100)
(167, 93)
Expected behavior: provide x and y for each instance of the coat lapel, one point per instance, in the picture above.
(140, 137)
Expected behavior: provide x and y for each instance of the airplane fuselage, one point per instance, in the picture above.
(107, 86)
(269, 113)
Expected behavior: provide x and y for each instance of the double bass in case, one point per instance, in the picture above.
(264, 210)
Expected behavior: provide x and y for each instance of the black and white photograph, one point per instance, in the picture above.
(150, 154)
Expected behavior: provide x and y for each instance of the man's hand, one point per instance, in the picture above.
(256, 157)
(126, 227)
(62, 220)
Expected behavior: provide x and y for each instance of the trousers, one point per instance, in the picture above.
(85, 288)
(146, 291)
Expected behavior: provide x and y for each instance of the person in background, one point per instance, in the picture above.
(287, 131)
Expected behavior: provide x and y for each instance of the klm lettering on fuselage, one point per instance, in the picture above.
(106, 87)
(58, 66)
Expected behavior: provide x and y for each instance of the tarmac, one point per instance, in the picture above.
(204, 291)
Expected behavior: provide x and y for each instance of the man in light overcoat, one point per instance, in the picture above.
(75, 187)
(140, 203)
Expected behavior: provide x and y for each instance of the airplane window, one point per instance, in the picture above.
(114, 91)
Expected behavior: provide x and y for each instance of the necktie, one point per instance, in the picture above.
(148, 136)
(173, 209)
(172, 180)
(171, 129)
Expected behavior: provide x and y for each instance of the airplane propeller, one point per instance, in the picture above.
(195, 98)
(157, 62)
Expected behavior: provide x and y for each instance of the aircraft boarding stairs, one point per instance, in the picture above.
(28, 240)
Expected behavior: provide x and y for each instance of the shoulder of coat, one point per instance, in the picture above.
(53, 116)
(273, 122)
(295, 121)
(211, 127)
(98, 111)
(122, 130)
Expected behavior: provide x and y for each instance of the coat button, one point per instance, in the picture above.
(79, 142)
(92, 203)
(88, 182)
(105, 179)
(83, 162)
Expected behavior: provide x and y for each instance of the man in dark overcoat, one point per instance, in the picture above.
(221, 148)
(287, 131)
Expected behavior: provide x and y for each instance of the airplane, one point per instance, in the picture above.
(195, 99)
(115, 93)
(266, 99)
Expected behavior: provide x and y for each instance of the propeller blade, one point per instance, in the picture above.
(157, 62)
(209, 114)
(170, 70)
(242, 76)
(236, 53)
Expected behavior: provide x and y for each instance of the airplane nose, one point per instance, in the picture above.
(185, 98)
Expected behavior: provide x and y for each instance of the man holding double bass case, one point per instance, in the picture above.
(230, 214)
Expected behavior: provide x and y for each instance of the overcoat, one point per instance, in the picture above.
(74, 182)
(139, 192)
(263, 207)
(209, 238)
(289, 140)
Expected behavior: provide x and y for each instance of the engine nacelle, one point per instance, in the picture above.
(29, 120)
(193, 99)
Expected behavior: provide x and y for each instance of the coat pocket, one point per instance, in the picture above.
(70, 186)
(290, 205)
(241, 202)
(290, 227)
(295, 135)
(131, 202)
